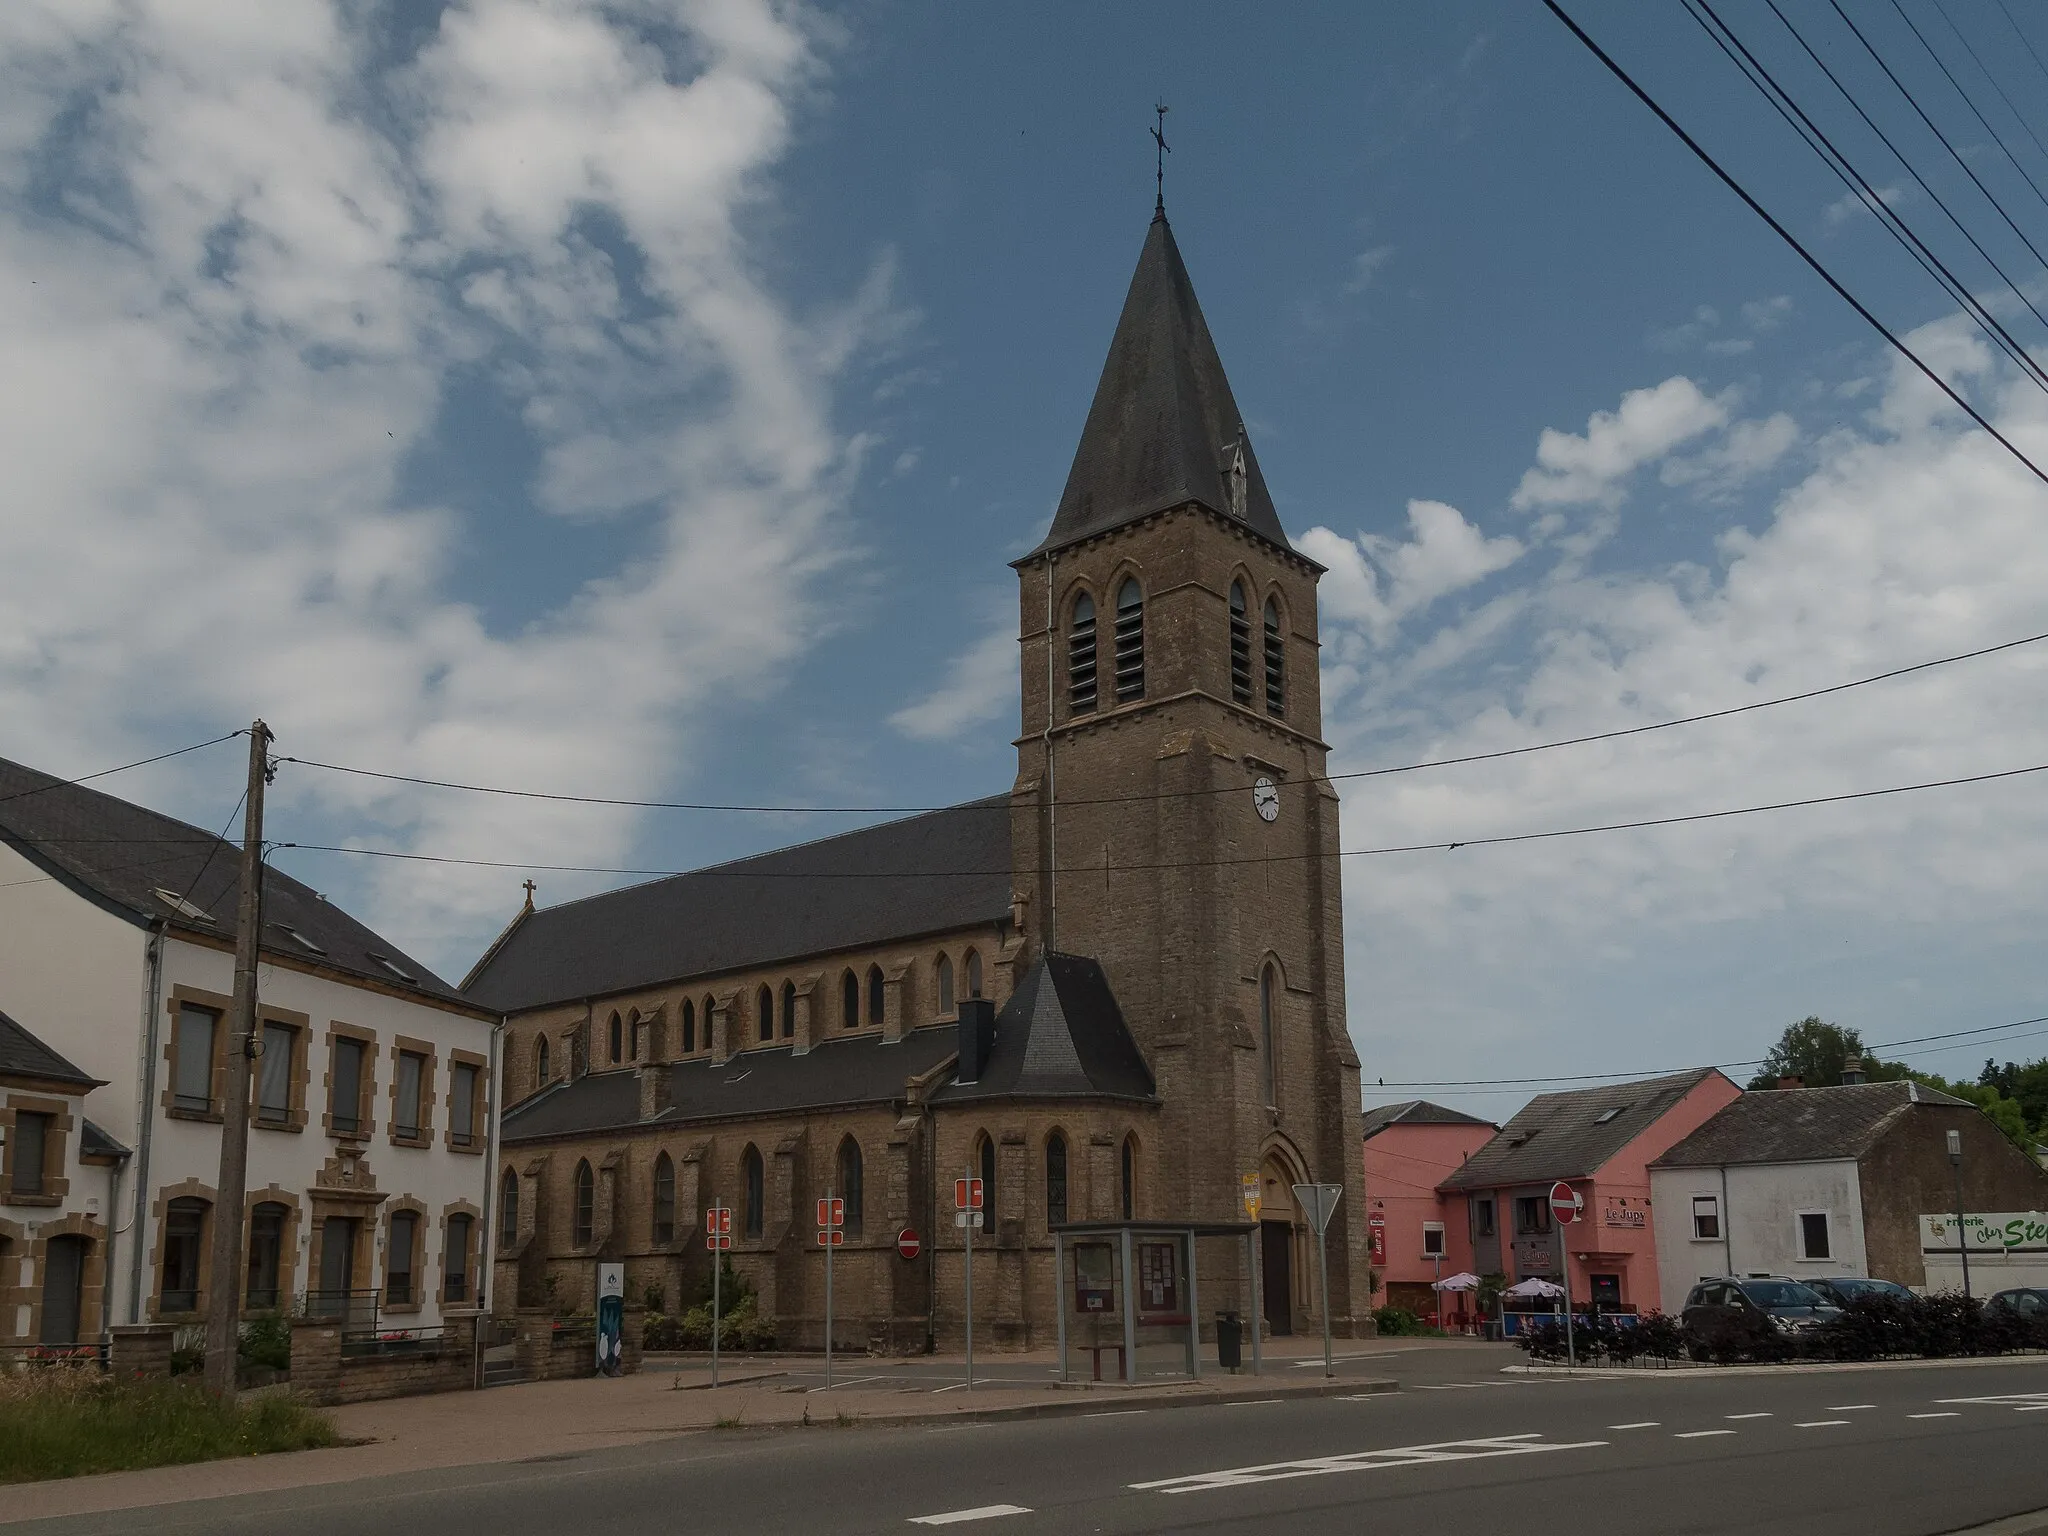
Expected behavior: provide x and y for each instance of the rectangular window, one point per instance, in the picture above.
(455, 1279)
(1432, 1239)
(31, 1138)
(274, 1081)
(462, 1116)
(1706, 1216)
(1532, 1215)
(192, 1059)
(1813, 1234)
(1483, 1223)
(411, 1080)
(398, 1267)
(345, 1087)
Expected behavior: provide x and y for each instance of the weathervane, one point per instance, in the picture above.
(1159, 172)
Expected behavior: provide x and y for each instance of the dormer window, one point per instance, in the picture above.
(182, 907)
(396, 969)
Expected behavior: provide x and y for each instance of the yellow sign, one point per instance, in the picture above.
(1254, 1201)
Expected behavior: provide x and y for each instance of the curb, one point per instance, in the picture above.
(1072, 1408)
(1796, 1368)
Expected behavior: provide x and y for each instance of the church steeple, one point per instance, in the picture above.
(1164, 429)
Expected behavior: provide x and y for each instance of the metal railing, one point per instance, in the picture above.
(383, 1343)
(352, 1309)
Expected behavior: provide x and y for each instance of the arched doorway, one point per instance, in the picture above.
(1278, 1223)
(63, 1289)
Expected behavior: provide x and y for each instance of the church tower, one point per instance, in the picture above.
(1172, 816)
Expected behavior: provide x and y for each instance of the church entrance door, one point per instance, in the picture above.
(1276, 1276)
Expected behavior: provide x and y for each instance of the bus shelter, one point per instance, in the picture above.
(1126, 1284)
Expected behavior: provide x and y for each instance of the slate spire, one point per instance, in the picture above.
(1163, 429)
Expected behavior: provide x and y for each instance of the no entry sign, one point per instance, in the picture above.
(1564, 1203)
(907, 1245)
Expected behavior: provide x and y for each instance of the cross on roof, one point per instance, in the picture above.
(1159, 155)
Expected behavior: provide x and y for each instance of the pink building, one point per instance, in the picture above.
(1418, 1231)
(1600, 1141)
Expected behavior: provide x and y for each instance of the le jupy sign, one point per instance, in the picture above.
(1989, 1232)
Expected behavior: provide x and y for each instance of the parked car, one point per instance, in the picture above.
(1732, 1316)
(1840, 1290)
(2027, 1300)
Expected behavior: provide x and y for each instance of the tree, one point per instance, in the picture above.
(1818, 1053)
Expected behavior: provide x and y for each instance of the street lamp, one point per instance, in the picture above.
(1955, 1160)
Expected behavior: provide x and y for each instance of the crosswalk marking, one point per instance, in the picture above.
(1819, 1423)
(957, 1516)
(1531, 1444)
(1702, 1434)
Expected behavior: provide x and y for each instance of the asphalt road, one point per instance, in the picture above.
(1887, 1453)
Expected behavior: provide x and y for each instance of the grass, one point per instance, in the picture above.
(65, 1423)
(730, 1421)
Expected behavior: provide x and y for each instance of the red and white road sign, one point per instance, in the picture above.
(831, 1211)
(1565, 1203)
(718, 1227)
(907, 1245)
(831, 1237)
(967, 1194)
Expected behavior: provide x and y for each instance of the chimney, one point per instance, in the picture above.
(1791, 1082)
(1852, 1072)
(977, 1037)
(654, 1089)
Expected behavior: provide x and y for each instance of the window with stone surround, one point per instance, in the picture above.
(27, 1148)
(851, 1181)
(764, 1013)
(508, 1208)
(878, 996)
(400, 1260)
(789, 1010)
(1269, 987)
(664, 1225)
(973, 968)
(350, 1082)
(184, 1244)
(466, 1130)
(616, 1037)
(583, 1220)
(195, 1044)
(689, 1026)
(409, 1112)
(849, 1001)
(458, 1234)
(754, 1181)
(540, 1061)
(1055, 1179)
(277, 1071)
(266, 1255)
(944, 968)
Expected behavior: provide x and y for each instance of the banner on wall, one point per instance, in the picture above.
(1986, 1232)
(611, 1318)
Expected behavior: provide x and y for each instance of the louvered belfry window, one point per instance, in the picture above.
(1276, 662)
(1130, 641)
(1081, 656)
(1240, 646)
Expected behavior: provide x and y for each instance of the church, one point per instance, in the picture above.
(1115, 992)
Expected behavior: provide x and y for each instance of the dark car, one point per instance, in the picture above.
(1840, 1290)
(2027, 1300)
(1728, 1317)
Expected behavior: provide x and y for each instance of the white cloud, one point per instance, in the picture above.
(1848, 206)
(1446, 555)
(1366, 266)
(1744, 452)
(980, 686)
(1592, 469)
(247, 311)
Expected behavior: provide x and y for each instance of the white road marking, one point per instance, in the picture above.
(2009, 1399)
(1363, 1397)
(1750, 1415)
(1702, 1434)
(1364, 1461)
(1256, 1402)
(1115, 1413)
(2032, 1408)
(1819, 1423)
(1639, 1424)
(953, 1388)
(856, 1381)
(986, 1512)
(1461, 1386)
(1934, 1415)
(1848, 1407)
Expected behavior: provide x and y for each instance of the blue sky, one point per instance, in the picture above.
(646, 400)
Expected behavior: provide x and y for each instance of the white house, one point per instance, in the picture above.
(371, 1104)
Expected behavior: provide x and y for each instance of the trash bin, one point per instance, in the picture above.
(1229, 1340)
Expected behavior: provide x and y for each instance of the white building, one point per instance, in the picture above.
(1811, 1182)
(369, 1149)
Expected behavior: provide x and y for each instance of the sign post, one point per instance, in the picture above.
(718, 1238)
(1565, 1206)
(1318, 1202)
(831, 1232)
(1255, 1202)
(967, 1207)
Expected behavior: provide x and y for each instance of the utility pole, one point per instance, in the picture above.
(223, 1291)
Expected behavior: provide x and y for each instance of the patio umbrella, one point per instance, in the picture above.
(1464, 1280)
(1535, 1287)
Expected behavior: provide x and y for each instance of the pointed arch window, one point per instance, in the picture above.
(849, 1001)
(1240, 645)
(1081, 656)
(664, 1199)
(1276, 662)
(1127, 1180)
(789, 1010)
(878, 997)
(508, 1209)
(945, 970)
(689, 1026)
(764, 1011)
(617, 1038)
(540, 1062)
(753, 1180)
(851, 1178)
(1130, 640)
(1268, 1004)
(974, 973)
(1055, 1179)
(584, 1218)
(986, 1159)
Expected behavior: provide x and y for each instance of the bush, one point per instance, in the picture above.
(63, 1423)
(1398, 1322)
(266, 1342)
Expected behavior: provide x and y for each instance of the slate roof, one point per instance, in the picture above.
(1562, 1136)
(1163, 428)
(1415, 1112)
(97, 1143)
(23, 1055)
(952, 869)
(133, 862)
(1800, 1125)
(862, 1069)
(1060, 1035)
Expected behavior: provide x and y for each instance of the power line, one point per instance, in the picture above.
(143, 762)
(1719, 1066)
(2023, 40)
(737, 870)
(1985, 70)
(1996, 137)
(1362, 773)
(1790, 239)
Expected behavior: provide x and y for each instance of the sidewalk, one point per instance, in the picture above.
(554, 1419)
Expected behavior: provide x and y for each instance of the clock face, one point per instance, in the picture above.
(1267, 798)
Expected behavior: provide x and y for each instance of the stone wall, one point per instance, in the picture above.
(322, 1372)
